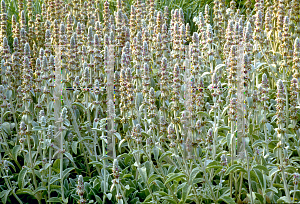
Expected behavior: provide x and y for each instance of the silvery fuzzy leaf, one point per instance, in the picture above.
(67, 122)
(109, 196)
(6, 127)
(8, 94)
(274, 118)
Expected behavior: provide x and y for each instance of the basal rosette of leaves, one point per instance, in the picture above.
(133, 102)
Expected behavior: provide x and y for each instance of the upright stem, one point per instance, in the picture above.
(249, 178)
(61, 163)
(232, 155)
(104, 167)
(295, 186)
(241, 183)
(87, 108)
(50, 172)
(215, 136)
(282, 167)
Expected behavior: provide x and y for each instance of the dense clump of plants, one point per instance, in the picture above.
(129, 106)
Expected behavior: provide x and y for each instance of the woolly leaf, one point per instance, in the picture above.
(174, 176)
(4, 195)
(15, 151)
(234, 168)
(143, 173)
(54, 200)
(21, 177)
(227, 199)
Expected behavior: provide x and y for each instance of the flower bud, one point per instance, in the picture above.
(27, 50)
(43, 121)
(23, 126)
(223, 160)
(64, 113)
(264, 80)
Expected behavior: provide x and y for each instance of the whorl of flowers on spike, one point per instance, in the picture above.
(195, 52)
(232, 109)
(171, 135)
(265, 90)
(3, 20)
(248, 40)
(232, 78)
(236, 35)
(106, 16)
(229, 38)
(146, 52)
(246, 73)
(152, 107)
(176, 41)
(200, 101)
(80, 190)
(207, 14)
(293, 102)
(285, 45)
(176, 86)
(280, 14)
(145, 82)
(123, 98)
(130, 90)
(280, 99)
(268, 21)
(296, 59)
(258, 26)
(164, 82)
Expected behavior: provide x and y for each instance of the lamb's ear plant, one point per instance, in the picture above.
(265, 89)
(281, 133)
(138, 102)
